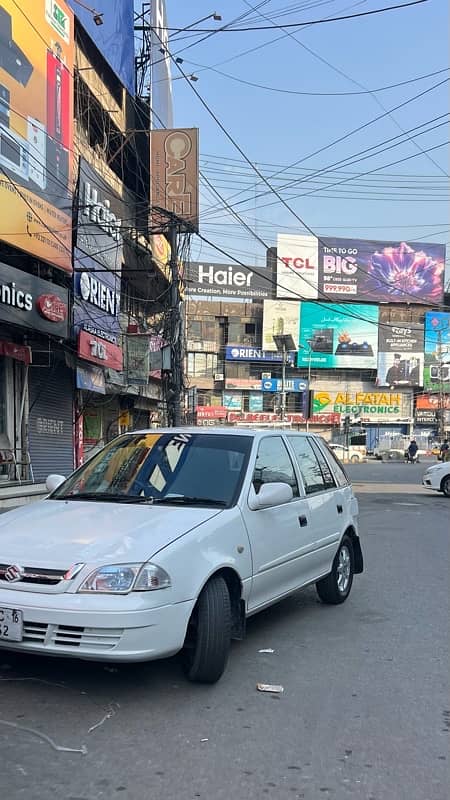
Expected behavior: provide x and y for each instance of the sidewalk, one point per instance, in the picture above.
(16, 495)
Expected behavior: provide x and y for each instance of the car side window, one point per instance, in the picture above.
(340, 474)
(313, 478)
(273, 464)
(327, 473)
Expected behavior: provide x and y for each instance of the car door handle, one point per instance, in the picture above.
(303, 521)
(339, 509)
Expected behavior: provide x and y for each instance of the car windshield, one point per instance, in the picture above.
(172, 468)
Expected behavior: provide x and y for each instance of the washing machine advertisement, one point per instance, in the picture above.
(36, 128)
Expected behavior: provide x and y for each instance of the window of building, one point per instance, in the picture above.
(250, 327)
(274, 464)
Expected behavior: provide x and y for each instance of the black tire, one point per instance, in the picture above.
(445, 486)
(208, 638)
(332, 589)
(354, 459)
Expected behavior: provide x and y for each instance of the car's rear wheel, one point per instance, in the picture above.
(354, 459)
(335, 587)
(208, 637)
(445, 486)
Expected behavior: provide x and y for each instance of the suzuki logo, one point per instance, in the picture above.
(14, 573)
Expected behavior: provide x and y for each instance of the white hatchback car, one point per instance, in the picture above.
(167, 540)
(438, 477)
(347, 453)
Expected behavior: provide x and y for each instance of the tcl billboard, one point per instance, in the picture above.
(354, 269)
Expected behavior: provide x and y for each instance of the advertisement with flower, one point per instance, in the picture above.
(394, 272)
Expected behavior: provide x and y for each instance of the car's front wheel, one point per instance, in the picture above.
(335, 587)
(445, 486)
(208, 637)
(354, 459)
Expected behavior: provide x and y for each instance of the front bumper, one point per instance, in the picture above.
(97, 628)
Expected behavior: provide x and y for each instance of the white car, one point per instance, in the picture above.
(438, 477)
(167, 540)
(347, 453)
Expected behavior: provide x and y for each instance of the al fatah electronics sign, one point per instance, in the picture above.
(360, 403)
(226, 280)
(354, 269)
(30, 302)
(36, 128)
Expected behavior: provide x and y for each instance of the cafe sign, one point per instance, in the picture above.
(361, 403)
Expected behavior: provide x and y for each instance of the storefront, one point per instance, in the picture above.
(33, 325)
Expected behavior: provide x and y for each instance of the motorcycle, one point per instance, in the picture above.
(409, 459)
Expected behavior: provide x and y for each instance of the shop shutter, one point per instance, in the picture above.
(51, 421)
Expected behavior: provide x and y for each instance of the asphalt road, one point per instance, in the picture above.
(365, 712)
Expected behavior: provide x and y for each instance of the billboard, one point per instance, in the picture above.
(342, 336)
(232, 401)
(238, 352)
(174, 171)
(394, 272)
(161, 79)
(279, 317)
(436, 373)
(114, 37)
(400, 354)
(33, 303)
(36, 129)
(367, 405)
(290, 385)
(97, 258)
(226, 280)
(297, 266)
(361, 270)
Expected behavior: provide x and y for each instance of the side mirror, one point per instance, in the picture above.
(53, 481)
(270, 494)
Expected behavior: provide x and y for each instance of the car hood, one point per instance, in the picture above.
(57, 534)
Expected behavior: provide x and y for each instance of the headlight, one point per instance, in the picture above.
(124, 578)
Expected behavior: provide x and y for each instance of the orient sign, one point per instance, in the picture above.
(99, 351)
(51, 307)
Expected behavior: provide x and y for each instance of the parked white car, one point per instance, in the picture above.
(165, 541)
(437, 477)
(347, 454)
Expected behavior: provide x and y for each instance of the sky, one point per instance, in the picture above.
(398, 201)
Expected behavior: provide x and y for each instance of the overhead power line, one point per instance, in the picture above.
(302, 24)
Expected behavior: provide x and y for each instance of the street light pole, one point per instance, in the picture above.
(309, 382)
(284, 343)
(283, 383)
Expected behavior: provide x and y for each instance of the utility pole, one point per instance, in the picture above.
(175, 382)
(284, 343)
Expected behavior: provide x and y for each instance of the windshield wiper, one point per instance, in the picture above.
(106, 497)
(189, 501)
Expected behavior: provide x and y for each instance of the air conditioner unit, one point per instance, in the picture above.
(219, 376)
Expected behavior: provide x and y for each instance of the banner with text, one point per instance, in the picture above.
(400, 354)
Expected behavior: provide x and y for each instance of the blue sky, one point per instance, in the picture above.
(275, 128)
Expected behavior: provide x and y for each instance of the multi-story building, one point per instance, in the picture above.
(83, 284)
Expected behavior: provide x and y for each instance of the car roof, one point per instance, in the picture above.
(215, 431)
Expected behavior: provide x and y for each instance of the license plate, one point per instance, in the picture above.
(11, 625)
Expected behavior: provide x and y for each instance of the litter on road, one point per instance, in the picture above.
(269, 687)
